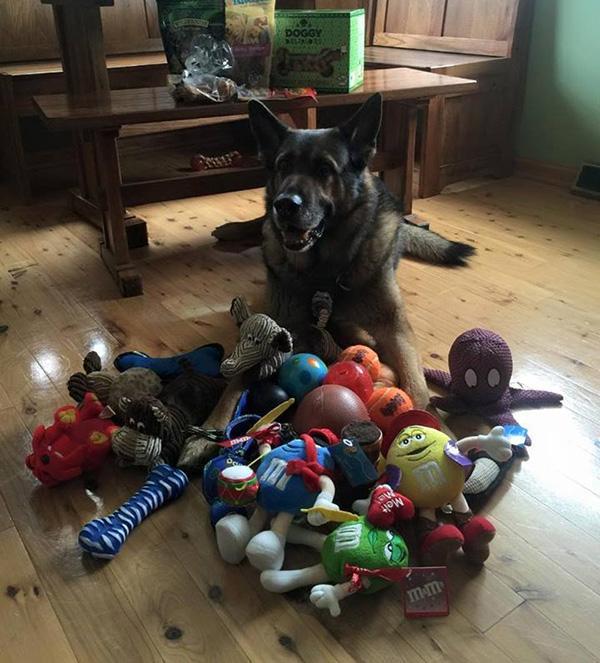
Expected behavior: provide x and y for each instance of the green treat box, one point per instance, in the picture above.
(324, 49)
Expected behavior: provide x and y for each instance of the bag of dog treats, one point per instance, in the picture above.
(250, 28)
(182, 22)
(198, 57)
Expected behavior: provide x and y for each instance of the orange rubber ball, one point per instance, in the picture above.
(386, 404)
(367, 357)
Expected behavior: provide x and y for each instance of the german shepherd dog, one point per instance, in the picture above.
(332, 226)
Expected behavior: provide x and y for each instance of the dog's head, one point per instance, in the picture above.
(315, 176)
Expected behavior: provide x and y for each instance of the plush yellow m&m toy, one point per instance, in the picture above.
(427, 466)
(432, 472)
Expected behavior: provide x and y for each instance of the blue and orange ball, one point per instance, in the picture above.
(300, 374)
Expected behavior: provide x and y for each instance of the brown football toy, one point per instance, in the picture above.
(329, 406)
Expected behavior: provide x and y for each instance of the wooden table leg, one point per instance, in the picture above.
(431, 147)
(115, 251)
(304, 118)
(79, 33)
(399, 136)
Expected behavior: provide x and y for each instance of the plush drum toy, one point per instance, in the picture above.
(237, 485)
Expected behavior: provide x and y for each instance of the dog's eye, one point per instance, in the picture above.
(284, 165)
(324, 170)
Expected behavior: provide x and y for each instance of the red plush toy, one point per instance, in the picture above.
(77, 441)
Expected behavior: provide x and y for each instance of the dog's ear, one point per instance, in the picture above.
(361, 130)
(268, 131)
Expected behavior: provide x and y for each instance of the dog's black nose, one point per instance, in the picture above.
(288, 206)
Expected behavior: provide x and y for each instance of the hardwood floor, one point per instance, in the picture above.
(168, 596)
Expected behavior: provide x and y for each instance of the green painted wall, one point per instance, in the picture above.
(561, 114)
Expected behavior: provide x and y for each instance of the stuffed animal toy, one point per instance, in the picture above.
(155, 430)
(425, 465)
(321, 342)
(291, 477)
(78, 441)
(205, 359)
(263, 344)
(481, 367)
(110, 387)
(104, 537)
(152, 436)
(359, 555)
(261, 350)
(238, 453)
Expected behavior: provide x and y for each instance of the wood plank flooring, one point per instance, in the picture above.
(168, 596)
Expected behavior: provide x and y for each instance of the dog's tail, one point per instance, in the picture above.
(431, 247)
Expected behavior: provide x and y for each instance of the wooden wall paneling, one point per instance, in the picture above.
(381, 7)
(126, 27)
(475, 125)
(420, 17)
(481, 19)
(519, 51)
(152, 19)
(27, 31)
(483, 27)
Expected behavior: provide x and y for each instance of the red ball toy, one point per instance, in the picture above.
(365, 356)
(385, 404)
(329, 406)
(353, 376)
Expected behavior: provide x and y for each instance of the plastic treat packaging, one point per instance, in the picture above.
(250, 30)
(198, 57)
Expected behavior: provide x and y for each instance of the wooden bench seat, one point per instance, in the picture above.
(464, 134)
(384, 56)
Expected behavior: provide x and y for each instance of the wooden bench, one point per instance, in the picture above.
(100, 117)
(467, 133)
(24, 149)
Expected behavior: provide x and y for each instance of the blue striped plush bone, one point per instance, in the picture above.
(104, 537)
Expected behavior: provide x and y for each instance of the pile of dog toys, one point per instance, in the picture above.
(334, 457)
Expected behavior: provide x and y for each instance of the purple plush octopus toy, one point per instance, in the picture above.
(481, 365)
